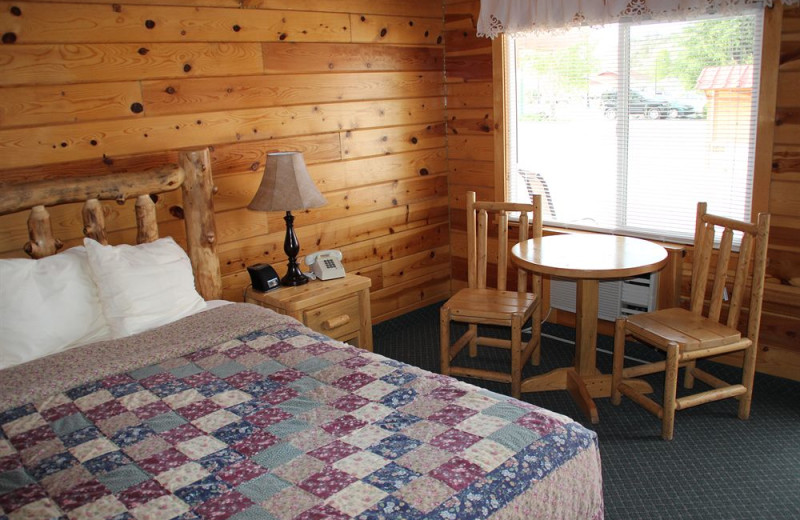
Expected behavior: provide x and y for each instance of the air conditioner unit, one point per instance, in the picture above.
(616, 297)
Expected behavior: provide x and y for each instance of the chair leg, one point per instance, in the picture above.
(444, 340)
(619, 359)
(473, 343)
(748, 373)
(688, 376)
(536, 331)
(516, 356)
(670, 392)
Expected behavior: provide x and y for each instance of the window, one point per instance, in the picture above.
(624, 128)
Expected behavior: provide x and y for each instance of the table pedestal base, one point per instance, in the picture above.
(580, 394)
(582, 388)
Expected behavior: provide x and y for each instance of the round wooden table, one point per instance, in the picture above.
(587, 258)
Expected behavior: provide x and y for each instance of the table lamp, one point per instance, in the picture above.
(287, 186)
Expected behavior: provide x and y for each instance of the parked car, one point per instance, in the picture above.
(680, 109)
(649, 107)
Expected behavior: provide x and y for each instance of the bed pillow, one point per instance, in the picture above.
(48, 305)
(143, 286)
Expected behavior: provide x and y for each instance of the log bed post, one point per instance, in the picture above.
(201, 233)
(94, 222)
(42, 243)
(146, 222)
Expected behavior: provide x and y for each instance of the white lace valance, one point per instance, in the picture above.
(516, 16)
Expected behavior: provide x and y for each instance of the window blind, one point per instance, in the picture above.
(636, 164)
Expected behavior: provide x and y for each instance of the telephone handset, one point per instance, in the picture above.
(326, 265)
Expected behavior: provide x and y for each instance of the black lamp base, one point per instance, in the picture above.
(291, 246)
(294, 277)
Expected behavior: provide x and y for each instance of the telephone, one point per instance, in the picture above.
(326, 265)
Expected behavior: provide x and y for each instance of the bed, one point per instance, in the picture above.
(233, 411)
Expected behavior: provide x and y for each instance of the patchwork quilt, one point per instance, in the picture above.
(239, 413)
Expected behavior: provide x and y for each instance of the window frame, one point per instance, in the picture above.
(765, 118)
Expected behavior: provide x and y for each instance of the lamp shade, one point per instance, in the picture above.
(286, 185)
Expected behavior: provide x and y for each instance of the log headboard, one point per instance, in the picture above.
(192, 175)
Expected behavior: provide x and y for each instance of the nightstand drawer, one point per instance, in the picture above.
(335, 319)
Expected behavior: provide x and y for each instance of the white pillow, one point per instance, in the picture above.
(142, 287)
(48, 305)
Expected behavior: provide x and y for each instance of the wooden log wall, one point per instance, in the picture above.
(470, 124)
(780, 324)
(473, 133)
(88, 86)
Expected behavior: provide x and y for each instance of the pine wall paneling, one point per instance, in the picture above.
(780, 325)
(470, 123)
(471, 134)
(90, 87)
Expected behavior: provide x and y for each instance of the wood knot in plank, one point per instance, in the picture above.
(16, 11)
(176, 211)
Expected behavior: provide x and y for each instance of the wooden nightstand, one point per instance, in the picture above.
(337, 308)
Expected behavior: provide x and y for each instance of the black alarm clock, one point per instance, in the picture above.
(263, 277)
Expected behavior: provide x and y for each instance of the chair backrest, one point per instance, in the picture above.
(752, 251)
(530, 226)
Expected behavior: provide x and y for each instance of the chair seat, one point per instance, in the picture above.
(490, 304)
(689, 330)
